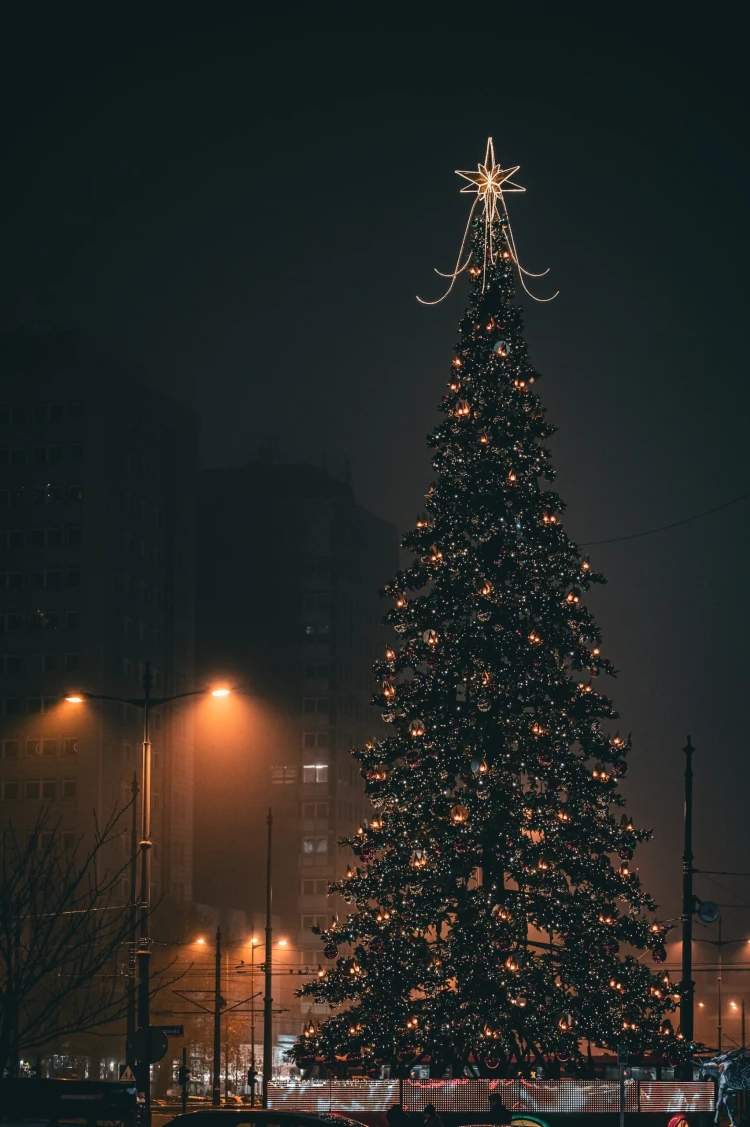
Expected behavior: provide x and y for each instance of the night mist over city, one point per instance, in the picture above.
(373, 551)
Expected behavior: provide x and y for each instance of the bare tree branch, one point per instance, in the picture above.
(64, 924)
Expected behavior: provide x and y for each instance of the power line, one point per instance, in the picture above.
(664, 527)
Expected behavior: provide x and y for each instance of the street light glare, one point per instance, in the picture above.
(200, 939)
(75, 698)
(283, 942)
(254, 940)
(220, 692)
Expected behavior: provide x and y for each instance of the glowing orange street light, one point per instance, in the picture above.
(283, 942)
(146, 704)
(200, 939)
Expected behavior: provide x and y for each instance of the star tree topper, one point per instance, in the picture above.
(489, 181)
(488, 185)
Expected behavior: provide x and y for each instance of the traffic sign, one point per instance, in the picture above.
(172, 1030)
(708, 911)
(126, 1073)
(150, 1044)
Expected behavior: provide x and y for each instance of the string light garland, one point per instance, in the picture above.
(493, 897)
(488, 185)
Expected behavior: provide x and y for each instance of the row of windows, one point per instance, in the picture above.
(316, 600)
(321, 706)
(315, 739)
(39, 746)
(314, 887)
(317, 671)
(314, 809)
(38, 790)
(311, 773)
(310, 921)
(141, 466)
(317, 705)
(128, 587)
(41, 579)
(317, 844)
(145, 509)
(124, 750)
(143, 550)
(17, 706)
(53, 537)
(131, 669)
(316, 632)
(142, 631)
(40, 455)
(39, 663)
(40, 412)
(41, 495)
(40, 620)
(316, 568)
(348, 812)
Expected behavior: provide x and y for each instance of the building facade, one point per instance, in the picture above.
(97, 533)
(289, 568)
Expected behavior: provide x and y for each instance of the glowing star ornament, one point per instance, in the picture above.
(488, 185)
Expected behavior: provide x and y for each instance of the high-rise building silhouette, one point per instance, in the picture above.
(97, 532)
(289, 568)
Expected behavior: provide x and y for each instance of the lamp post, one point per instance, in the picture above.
(218, 1004)
(130, 1015)
(146, 703)
(253, 945)
(268, 993)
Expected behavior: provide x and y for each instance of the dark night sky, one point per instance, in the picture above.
(248, 205)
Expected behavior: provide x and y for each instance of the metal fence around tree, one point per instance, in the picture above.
(534, 1097)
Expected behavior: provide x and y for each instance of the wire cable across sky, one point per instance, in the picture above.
(664, 527)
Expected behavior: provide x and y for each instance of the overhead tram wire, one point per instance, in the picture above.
(664, 527)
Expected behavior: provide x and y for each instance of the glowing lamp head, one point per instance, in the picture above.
(283, 943)
(75, 698)
(220, 692)
(200, 940)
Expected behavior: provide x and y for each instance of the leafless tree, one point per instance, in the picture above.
(64, 924)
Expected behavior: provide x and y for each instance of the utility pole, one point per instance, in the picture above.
(218, 1000)
(687, 1001)
(252, 1023)
(268, 993)
(226, 1042)
(144, 945)
(719, 1024)
(130, 1023)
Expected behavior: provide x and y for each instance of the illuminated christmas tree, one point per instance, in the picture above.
(494, 913)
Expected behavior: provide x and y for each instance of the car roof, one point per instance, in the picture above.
(245, 1115)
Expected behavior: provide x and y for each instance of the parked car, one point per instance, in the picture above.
(257, 1117)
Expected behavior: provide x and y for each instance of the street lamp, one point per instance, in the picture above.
(720, 944)
(146, 703)
(254, 944)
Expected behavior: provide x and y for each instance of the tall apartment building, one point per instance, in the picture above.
(289, 568)
(97, 530)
